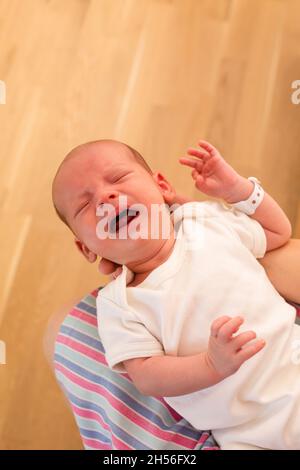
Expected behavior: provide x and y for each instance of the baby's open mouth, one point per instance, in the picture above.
(122, 219)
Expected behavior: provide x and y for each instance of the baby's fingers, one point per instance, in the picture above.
(204, 156)
(226, 331)
(240, 340)
(192, 162)
(217, 324)
(194, 174)
(208, 147)
(248, 351)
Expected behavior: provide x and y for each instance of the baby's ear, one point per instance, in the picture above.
(89, 255)
(167, 190)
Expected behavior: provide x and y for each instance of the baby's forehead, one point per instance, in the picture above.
(85, 161)
(102, 156)
(84, 167)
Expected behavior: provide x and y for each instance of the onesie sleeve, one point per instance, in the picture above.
(249, 231)
(123, 335)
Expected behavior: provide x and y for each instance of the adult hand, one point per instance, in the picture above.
(109, 268)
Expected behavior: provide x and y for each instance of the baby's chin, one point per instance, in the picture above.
(131, 251)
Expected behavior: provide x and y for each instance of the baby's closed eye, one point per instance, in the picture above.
(120, 177)
(82, 207)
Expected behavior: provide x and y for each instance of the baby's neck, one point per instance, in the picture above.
(143, 269)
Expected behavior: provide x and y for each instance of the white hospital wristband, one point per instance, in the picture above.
(250, 205)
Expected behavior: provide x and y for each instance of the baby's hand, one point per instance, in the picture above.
(226, 353)
(211, 173)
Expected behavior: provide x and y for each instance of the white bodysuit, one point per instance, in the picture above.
(212, 271)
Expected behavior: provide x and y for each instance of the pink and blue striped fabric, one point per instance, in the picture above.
(110, 412)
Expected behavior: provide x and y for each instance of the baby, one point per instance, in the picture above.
(159, 319)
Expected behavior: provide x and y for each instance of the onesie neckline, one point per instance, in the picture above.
(171, 265)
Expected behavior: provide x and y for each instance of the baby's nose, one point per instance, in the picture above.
(109, 207)
(108, 198)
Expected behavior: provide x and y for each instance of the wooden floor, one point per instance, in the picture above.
(158, 75)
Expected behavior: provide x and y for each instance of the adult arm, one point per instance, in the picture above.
(282, 266)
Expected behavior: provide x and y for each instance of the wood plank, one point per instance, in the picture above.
(158, 75)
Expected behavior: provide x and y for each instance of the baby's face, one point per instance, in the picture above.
(102, 176)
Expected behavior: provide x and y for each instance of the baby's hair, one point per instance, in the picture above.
(138, 158)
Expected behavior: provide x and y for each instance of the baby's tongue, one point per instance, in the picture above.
(124, 218)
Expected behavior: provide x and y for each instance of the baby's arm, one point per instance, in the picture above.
(169, 376)
(215, 177)
(276, 225)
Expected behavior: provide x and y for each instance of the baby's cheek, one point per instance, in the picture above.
(86, 231)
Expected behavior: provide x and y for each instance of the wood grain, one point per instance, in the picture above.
(158, 75)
